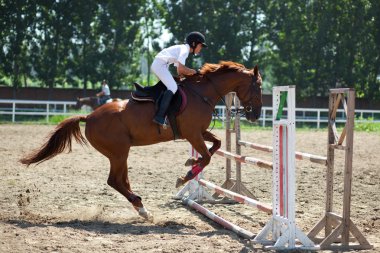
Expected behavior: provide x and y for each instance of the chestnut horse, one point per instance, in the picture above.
(114, 127)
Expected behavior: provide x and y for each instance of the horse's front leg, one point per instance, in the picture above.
(200, 146)
(216, 144)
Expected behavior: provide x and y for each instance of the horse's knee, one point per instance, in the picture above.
(205, 161)
(215, 147)
(218, 144)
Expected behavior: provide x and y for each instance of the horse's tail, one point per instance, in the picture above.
(59, 141)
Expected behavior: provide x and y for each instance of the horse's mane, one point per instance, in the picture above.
(222, 66)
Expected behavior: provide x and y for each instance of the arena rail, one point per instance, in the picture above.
(43, 108)
(47, 108)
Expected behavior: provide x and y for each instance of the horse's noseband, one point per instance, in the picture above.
(248, 108)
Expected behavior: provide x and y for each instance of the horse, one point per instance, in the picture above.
(92, 102)
(114, 127)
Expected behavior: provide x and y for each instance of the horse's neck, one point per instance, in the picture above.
(213, 86)
(203, 89)
(221, 85)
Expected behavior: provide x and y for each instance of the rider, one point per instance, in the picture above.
(105, 94)
(176, 55)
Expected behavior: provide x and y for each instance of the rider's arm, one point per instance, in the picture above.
(100, 94)
(182, 70)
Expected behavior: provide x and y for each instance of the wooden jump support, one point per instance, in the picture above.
(337, 228)
(236, 184)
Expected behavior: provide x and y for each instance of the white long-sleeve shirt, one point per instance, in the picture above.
(174, 54)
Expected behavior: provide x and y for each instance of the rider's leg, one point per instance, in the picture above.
(160, 69)
(159, 118)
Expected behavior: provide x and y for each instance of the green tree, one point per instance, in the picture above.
(231, 27)
(16, 22)
(51, 39)
(318, 46)
(117, 31)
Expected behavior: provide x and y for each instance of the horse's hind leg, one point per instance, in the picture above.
(118, 179)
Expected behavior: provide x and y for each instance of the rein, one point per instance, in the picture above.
(217, 92)
(204, 99)
(207, 100)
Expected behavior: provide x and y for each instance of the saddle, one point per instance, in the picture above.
(154, 93)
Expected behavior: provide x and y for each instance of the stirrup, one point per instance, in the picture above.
(163, 123)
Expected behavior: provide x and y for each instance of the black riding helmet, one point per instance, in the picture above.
(195, 38)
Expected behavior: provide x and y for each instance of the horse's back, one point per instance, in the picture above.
(127, 122)
(103, 122)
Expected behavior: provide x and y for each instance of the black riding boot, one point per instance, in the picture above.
(164, 105)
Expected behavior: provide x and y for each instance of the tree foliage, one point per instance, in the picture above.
(316, 45)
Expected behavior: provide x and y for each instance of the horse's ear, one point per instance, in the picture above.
(256, 70)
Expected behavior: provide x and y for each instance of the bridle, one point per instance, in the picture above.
(249, 107)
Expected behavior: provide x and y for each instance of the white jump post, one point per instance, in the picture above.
(281, 231)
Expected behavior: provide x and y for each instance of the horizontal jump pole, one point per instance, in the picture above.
(299, 155)
(244, 159)
(237, 197)
(226, 224)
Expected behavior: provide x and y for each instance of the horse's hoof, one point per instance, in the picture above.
(190, 162)
(145, 214)
(180, 182)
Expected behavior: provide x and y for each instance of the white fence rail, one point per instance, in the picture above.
(47, 109)
(16, 107)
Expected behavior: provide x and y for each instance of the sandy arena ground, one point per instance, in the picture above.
(65, 204)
